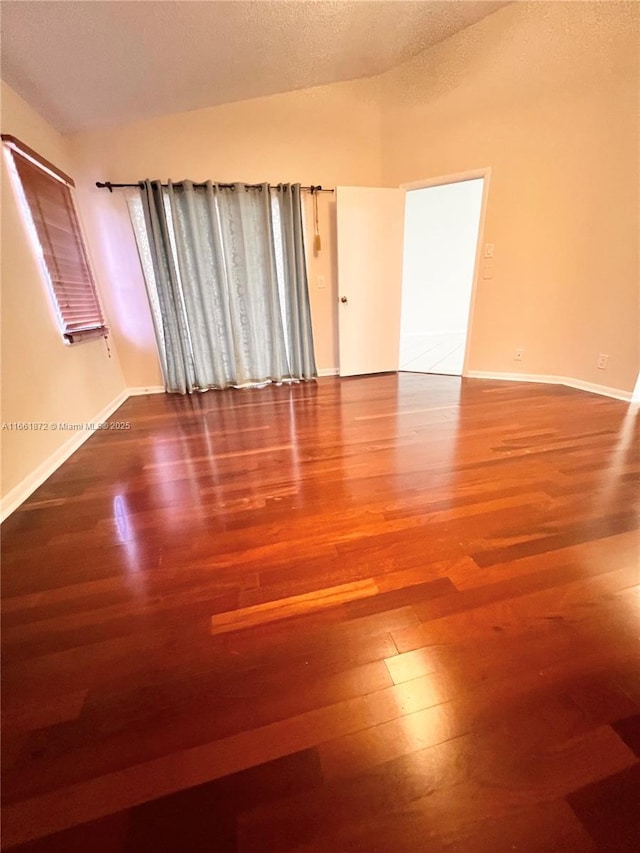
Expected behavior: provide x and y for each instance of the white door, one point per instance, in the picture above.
(370, 224)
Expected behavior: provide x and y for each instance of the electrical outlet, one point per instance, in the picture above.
(321, 281)
(519, 356)
(601, 363)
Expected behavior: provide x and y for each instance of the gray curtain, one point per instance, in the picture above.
(226, 274)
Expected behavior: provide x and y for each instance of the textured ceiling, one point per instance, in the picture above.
(93, 63)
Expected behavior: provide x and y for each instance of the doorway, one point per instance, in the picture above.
(441, 232)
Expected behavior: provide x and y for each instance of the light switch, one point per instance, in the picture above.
(320, 281)
(488, 250)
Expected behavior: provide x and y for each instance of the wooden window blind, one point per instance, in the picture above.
(47, 192)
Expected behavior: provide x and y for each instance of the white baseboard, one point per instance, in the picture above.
(140, 390)
(329, 371)
(604, 390)
(18, 494)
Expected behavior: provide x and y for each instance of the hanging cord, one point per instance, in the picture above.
(317, 242)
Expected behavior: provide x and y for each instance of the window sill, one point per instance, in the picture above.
(71, 338)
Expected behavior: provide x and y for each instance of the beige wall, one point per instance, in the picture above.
(546, 95)
(328, 135)
(43, 380)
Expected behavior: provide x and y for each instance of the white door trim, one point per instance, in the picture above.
(471, 175)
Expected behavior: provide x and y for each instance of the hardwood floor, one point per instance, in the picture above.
(388, 613)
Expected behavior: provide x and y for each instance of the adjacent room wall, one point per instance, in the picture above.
(43, 380)
(440, 247)
(328, 135)
(546, 94)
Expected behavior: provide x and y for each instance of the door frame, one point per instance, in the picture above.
(457, 178)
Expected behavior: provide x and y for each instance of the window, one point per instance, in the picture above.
(47, 195)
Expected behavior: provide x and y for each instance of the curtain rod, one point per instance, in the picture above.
(111, 187)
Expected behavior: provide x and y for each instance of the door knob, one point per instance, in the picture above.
(343, 299)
